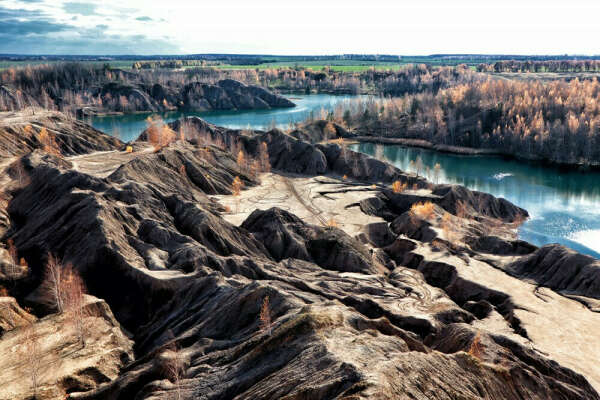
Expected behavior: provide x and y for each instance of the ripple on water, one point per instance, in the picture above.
(501, 175)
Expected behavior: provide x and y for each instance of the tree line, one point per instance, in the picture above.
(541, 66)
(556, 121)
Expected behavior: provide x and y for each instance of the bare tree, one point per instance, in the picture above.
(74, 302)
(66, 291)
(32, 354)
(55, 282)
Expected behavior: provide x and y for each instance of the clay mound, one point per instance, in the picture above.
(289, 154)
(476, 205)
(317, 319)
(20, 134)
(561, 269)
(51, 349)
(497, 245)
(483, 203)
(319, 131)
(227, 94)
(276, 308)
(130, 229)
(12, 315)
(286, 236)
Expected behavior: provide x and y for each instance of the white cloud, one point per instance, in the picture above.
(348, 26)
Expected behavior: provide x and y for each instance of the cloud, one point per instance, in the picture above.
(145, 19)
(25, 22)
(36, 32)
(80, 8)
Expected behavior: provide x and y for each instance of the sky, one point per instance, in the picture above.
(284, 27)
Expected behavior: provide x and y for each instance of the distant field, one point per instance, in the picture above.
(14, 64)
(335, 66)
(273, 62)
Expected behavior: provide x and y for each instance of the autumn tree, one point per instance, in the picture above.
(265, 316)
(48, 142)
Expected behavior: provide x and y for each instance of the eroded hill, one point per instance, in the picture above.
(257, 265)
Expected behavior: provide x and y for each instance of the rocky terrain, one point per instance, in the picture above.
(226, 94)
(260, 265)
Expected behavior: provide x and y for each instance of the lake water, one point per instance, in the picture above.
(564, 205)
(128, 127)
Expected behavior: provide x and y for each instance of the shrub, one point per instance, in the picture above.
(476, 349)
(48, 142)
(398, 187)
(159, 134)
(423, 210)
(265, 316)
(331, 223)
(236, 186)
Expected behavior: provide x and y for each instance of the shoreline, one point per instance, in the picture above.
(470, 151)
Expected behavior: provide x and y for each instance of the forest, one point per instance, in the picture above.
(554, 121)
(70, 86)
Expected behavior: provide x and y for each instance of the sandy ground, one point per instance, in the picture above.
(316, 200)
(558, 327)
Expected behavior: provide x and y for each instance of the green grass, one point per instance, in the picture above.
(333, 64)
(122, 64)
(318, 65)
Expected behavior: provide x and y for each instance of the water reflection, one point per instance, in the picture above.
(564, 205)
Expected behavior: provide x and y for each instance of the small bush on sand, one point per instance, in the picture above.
(423, 210)
(476, 349)
(398, 187)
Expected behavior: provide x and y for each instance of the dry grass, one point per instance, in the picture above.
(476, 349)
(423, 210)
